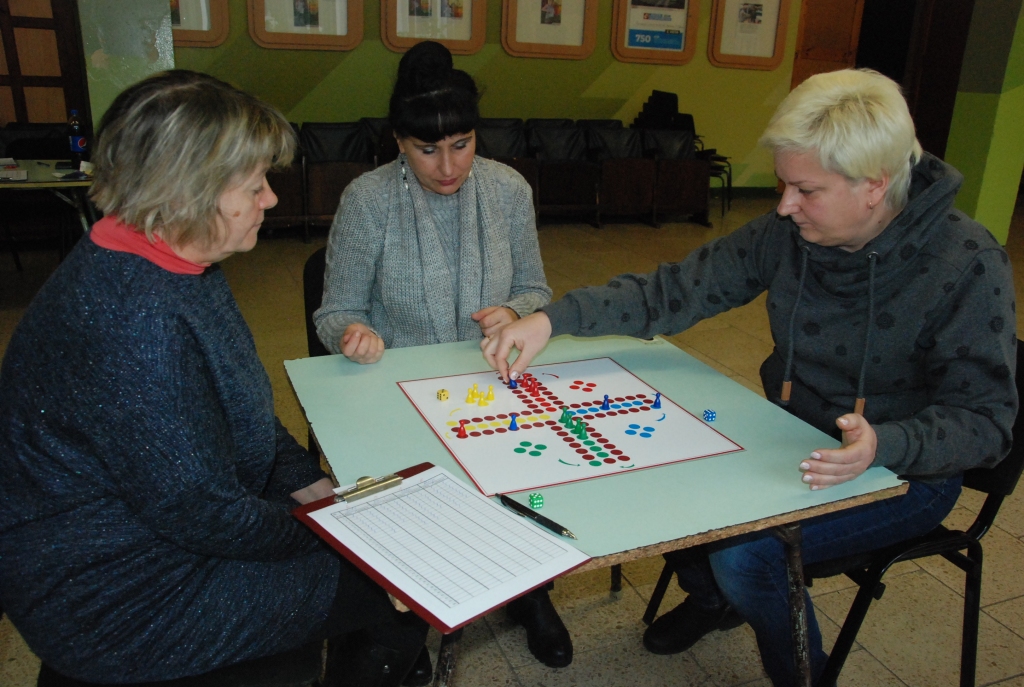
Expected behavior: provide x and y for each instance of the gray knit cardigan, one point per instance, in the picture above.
(386, 264)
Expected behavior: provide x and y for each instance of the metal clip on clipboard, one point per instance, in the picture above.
(365, 486)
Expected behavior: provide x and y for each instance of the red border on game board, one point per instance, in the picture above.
(664, 398)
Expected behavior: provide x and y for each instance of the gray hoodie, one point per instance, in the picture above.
(936, 365)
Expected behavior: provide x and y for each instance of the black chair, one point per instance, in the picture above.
(568, 180)
(681, 180)
(867, 569)
(299, 667)
(290, 187)
(312, 297)
(335, 154)
(378, 131)
(599, 123)
(499, 122)
(501, 143)
(719, 166)
(627, 177)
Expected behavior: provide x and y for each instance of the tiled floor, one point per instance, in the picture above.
(911, 637)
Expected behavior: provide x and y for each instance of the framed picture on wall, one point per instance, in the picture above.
(748, 35)
(460, 25)
(199, 23)
(562, 29)
(655, 31)
(306, 24)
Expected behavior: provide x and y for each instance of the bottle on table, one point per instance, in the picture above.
(77, 140)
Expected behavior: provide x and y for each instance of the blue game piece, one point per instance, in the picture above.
(606, 405)
(512, 426)
(512, 384)
(710, 415)
(657, 401)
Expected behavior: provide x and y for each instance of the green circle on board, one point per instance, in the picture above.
(602, 455)
(519, 450)
(589, 442)
(540, 447)
(534, 453)
(596, 463)
(524, 443)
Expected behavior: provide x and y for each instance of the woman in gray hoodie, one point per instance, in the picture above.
(893, 318)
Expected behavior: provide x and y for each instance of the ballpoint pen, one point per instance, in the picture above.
(526, 512)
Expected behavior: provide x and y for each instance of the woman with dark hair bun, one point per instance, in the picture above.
(437, 246)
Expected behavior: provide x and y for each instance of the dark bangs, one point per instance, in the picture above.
(434, 115)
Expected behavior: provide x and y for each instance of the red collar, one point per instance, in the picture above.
(111, 234)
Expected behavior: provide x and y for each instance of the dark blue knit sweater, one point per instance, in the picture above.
(145, 531)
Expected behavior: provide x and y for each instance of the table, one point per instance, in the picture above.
(40, 177)
(364, 425)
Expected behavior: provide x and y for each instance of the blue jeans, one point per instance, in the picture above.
(750, 572)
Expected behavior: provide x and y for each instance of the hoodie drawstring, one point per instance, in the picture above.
(787, 383)
(858, 406)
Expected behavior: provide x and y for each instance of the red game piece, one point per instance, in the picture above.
(462, 434)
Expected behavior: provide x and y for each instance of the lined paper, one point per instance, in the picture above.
(451, 550)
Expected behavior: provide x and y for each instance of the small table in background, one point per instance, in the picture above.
(41, 177)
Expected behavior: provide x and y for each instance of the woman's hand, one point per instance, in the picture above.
(361, 345)
(827, 467)
(530, 335)
(491, 320)
(320, 489)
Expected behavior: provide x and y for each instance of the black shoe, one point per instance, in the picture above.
(546, 636)
(421, 673)
(680, 628)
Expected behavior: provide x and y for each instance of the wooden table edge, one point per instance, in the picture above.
(742, 528)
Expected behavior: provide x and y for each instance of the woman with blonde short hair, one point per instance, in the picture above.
(145, 527)
(892, 315)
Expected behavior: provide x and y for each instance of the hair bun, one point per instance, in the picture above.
(425, 67)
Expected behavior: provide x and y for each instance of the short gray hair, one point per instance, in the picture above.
(856, 122)
(170, 145)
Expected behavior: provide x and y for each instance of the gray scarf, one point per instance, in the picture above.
(411, 238)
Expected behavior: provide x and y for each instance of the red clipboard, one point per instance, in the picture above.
(303, 513)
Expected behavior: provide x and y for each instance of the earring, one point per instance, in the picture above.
(871, 206)
(405, 179)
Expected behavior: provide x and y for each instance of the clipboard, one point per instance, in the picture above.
(443, 549)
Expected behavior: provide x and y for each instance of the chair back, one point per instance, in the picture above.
(313, 296)
(501, 142)
(599, 123)
(558, 143)
(42, 148)
(336, 142)
(614, 144)
(668, 144)
(1002, 479)
(499, 122)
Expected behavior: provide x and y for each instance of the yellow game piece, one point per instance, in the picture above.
(442, 395)
(490, 392)
(483, 402)
(470, 396)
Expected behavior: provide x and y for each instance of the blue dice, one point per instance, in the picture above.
(709, 416)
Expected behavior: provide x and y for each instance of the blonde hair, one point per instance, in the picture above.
(170, 145)
(857, 123)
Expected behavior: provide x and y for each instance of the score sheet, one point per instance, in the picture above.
(446, 551)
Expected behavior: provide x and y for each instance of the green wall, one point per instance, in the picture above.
(730, 106)
(986, 138)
